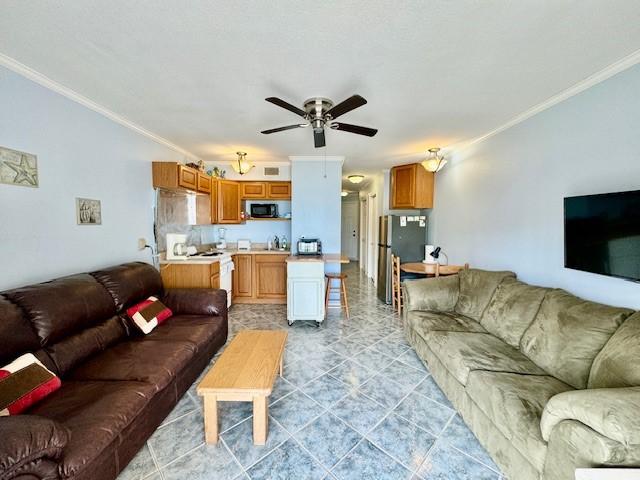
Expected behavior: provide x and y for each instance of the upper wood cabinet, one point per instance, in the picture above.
(174, 175)
(228, 202)
(278, 190)
(266, 190)
(254, 189)
(411, 187)
(214, 201)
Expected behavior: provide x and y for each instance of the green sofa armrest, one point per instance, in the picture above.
(612, 412)
(435, 294)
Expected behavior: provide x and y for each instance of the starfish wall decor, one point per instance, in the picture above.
(18, 168)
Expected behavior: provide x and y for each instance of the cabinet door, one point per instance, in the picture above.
(254, 190)
(187, 177)
(204, 183)
(242, 278)
(279, 190)
(403, 181)
(271, 276)
(228, 201)
(306, 299)
(186, 276)
(214, 201)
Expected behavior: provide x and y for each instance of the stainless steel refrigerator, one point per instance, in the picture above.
(403, 238)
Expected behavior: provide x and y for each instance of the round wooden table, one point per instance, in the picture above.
(432, 268)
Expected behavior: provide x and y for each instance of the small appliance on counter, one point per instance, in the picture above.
(176, 246)
(264, 210)
(309, 246)
(222, 242)
(244, 244)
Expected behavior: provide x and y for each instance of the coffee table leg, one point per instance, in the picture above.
(211, 419)
(260, 420)
(281, 362)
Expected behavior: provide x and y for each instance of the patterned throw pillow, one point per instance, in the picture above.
(148, 314)
(24, 382)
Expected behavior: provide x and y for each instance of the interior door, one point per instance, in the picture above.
(350, 232)
(372, 237)
(363, 234)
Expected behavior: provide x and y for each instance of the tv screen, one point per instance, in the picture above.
(602, 234)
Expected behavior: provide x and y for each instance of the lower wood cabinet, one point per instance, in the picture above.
(260, 278)
(190, 275)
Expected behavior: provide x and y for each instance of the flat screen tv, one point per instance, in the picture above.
(602, 234)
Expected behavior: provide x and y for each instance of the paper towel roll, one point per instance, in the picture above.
(427, 254)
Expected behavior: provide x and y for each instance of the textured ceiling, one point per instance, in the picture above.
(434, 72)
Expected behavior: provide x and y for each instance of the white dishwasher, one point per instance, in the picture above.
(226, 267)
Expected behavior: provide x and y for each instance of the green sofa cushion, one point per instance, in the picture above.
(514, 403)
(476, 289)
(437, 293)
(618, 364)
(461, 352)
(567, 334)
(511, 310)
(424, 322)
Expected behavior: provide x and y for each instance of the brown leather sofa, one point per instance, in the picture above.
(117, 384)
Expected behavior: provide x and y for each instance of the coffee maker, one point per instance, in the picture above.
(176, 246)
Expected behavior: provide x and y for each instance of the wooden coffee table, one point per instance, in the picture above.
(245, 372)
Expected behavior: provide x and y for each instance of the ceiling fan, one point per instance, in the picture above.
(319, 112)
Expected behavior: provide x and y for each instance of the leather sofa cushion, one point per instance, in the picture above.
(511, 310)
(17, 336)
(476, 289)
(424, 322)
(617, 364)
(67, 353)
(196, 329)
(130, 283)
(514, 403)
(568, 333)
(462, 352)
(95, 413)
(62, 307)
(141, 360)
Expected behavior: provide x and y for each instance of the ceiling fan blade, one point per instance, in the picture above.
(347, 127)
(280, 129)
(349, 104)
(286, 106)
(318, 138)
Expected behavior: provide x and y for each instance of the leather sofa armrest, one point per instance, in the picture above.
(436, 294)
(612, 412)
(196, 301)
(29, 439)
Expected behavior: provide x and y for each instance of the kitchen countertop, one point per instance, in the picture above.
(225, 254)
(326, 258)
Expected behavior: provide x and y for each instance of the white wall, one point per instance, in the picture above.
(80, 154)
(499, 203)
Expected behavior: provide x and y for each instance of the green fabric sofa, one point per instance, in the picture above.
(548, 382)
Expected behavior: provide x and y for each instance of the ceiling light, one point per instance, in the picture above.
(344, 194)
(434, 162)
(355, 178)
(241, 165)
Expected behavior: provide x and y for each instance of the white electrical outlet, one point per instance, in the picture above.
(142, 243)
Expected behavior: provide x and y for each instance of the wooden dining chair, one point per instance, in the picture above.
(396, 288)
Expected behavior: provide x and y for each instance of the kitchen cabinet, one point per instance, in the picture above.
(305, 290)
(279, 190)
(190, 275)
(242, 277)
(260, 278)
(213, 196)
(173, 175)
(228, 202)
(411, 187)
(254, 190)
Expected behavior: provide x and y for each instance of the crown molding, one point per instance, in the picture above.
(598, 77)
(50, 84)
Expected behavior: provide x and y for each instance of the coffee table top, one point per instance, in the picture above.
(248, 365)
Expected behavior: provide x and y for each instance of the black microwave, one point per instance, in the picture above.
(264, 210)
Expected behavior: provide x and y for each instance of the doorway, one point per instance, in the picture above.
(350, 227)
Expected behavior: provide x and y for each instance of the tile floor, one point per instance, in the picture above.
(355, 403)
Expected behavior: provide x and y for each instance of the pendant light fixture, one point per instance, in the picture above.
(434, 162)
(355, 178)
(241, 165)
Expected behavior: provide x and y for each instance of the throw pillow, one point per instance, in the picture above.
(148, 314)
(23, 382)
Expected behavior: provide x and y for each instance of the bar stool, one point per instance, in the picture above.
(341, 288)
